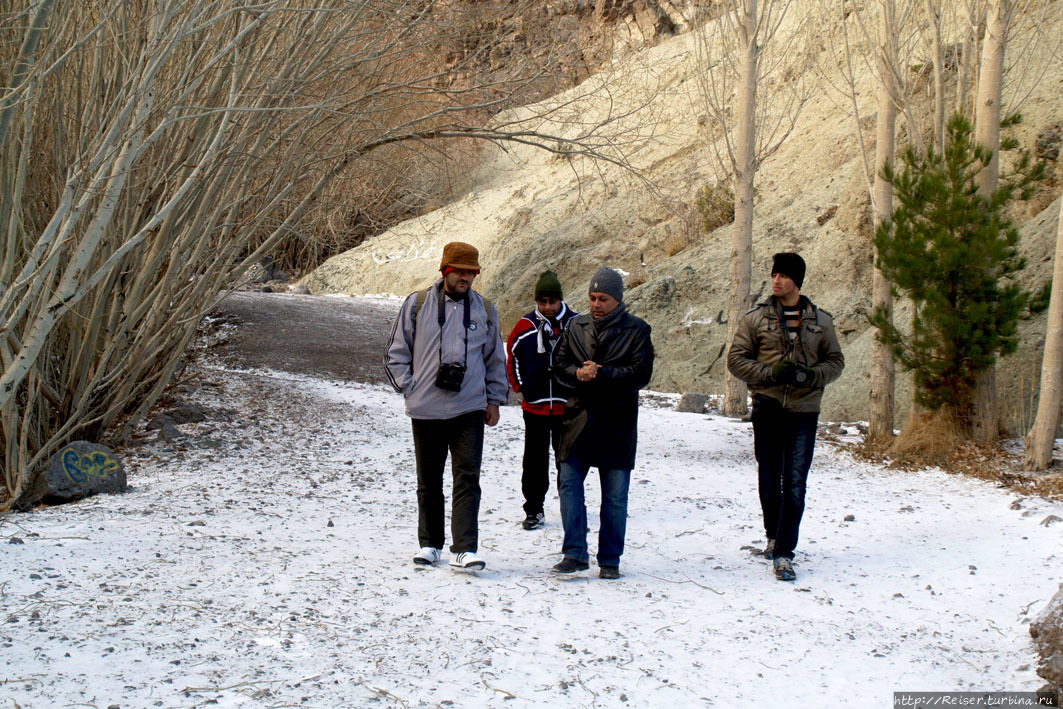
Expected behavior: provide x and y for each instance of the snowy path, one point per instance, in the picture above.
(269, 565)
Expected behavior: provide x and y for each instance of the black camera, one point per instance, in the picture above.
(800, 376)
(450, 376)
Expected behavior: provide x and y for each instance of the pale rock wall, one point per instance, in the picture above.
(529, 210)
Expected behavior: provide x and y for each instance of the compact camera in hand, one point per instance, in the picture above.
(800, 376)
(450, 376)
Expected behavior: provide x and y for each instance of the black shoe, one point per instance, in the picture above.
(570, 566)
(784, 569)
(534, 521)
(608, 572)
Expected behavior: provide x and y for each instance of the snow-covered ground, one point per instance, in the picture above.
(266, 562)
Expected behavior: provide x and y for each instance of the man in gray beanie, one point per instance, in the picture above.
(606, 356)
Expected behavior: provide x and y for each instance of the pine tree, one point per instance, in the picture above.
(954, 253)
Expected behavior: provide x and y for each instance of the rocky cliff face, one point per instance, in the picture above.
(568, 39)
(528, 211)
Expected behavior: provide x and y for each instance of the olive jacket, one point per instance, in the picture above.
(760, 342)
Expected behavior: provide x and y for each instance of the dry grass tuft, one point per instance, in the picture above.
(933, 439)
(677, 243)
(938, 440)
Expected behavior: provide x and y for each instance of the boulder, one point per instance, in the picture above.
(258, 272)
(693, 403)
(187, 413)
(1049, 138)
(1047, 634)
(81, 469)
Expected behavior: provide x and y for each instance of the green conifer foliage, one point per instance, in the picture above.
(953, 253)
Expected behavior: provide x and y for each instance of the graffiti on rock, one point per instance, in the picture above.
(81, 468)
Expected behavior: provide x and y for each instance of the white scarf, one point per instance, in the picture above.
(543, 323)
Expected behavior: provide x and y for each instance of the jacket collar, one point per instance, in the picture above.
(808, 308)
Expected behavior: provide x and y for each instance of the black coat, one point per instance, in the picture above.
(601, 417)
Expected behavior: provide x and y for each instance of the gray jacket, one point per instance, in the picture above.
(413, 356)
(759, 342)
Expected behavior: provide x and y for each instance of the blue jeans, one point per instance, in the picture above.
(613, 525)
(784, 442)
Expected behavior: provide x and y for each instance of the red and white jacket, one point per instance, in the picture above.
(530, 360)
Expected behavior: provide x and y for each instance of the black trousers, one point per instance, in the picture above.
(539, 433)
(784, 442)
(463, 437)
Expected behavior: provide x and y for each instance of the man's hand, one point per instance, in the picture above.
(803, 376)
(491, 415)
(783, 371)
(588, 371)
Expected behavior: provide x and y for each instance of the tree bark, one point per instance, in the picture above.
(985, 416)
(735, 397)
(969, 60)
(883, 371)
(1043, 433)
(938, 56)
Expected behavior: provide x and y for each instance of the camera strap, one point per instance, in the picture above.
(466, 320)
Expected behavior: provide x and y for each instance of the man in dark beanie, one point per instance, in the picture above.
(606, 356)
(530, 350)
(445, 356)
(785, 349)
(790, 265)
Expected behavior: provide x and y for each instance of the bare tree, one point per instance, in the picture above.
(883, 370)
(933, 13)
(1005, 20)
(154, 150)
(741, 46)
(973, 21)
(877, 40)
(886, 36)
(1042, 435)
(985, 423)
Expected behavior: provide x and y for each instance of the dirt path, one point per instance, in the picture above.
(331, 337)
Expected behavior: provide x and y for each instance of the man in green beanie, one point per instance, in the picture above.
(530, 363)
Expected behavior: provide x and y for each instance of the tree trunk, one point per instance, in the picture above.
(1043, 434)
(985, 416)
(883, 371)
(938, 55)
(735, 396)
(969, 60)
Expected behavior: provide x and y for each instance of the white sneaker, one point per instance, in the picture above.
(427, 556)
(468, 560)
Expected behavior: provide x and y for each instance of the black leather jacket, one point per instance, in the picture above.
(601, 417)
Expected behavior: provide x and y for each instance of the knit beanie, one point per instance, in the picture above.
(548, 286)
(457, 254)
(789, 264)
(607, 281)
